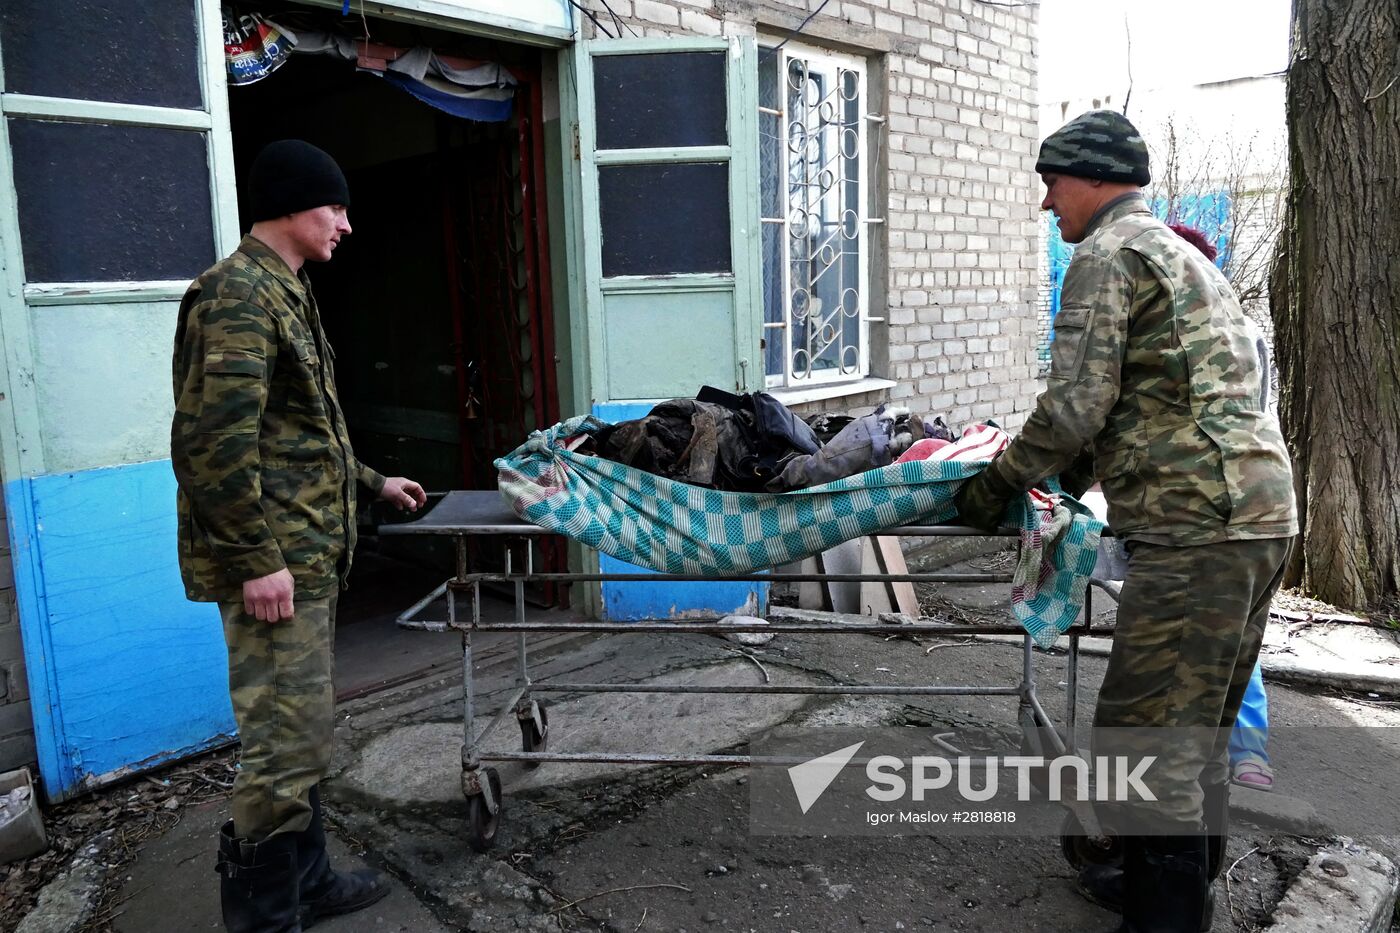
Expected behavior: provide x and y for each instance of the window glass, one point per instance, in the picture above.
(111, 203)
(665, 219)
(666, 99)
(125, 51)
(813, 180)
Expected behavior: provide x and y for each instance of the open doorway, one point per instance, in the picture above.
(437, 305)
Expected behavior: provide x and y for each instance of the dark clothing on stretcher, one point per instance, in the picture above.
(753, 443)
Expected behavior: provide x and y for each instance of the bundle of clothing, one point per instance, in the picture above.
(754, 443)
(557, 480)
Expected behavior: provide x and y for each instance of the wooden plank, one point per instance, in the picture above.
(890, 558)
(812, 594)
(875, 597)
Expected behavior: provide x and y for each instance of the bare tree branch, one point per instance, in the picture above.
(1249, 174)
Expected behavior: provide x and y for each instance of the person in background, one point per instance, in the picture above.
(1249, 756)
(1153, 366)
(266, 512)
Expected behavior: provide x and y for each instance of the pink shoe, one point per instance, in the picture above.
(1252, 773)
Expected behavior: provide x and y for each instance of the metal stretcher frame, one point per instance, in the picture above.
(462, 515)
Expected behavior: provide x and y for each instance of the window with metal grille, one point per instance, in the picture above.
(814, 192)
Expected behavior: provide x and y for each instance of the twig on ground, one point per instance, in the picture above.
(641, 921)
(952, 644)
(763, 670)
(1229, 891)
(633, 887)
(570, 833)
(106, 914)
(213, 783)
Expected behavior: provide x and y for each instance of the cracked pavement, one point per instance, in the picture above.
(584, 847)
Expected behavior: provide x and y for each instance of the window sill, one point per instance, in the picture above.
(816, 393)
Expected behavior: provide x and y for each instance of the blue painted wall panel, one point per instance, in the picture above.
(29, 596)
(628, 602)
(134, 673)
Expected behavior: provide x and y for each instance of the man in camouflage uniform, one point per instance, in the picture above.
(1154, 378)
(266, 505)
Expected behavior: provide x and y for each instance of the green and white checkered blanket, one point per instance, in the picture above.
(672, 527)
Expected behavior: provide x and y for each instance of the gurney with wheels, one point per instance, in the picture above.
(682, 533)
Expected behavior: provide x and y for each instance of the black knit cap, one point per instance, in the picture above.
(290, 176)
(1100, 144)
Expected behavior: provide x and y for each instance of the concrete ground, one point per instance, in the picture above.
(604, 847)
(172, 886)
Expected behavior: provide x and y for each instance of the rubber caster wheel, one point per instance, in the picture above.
(1035, 746)
(1081, 850)
(532, 737)
(481, 822)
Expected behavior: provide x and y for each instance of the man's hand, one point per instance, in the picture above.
(983, 499)
(269, 598)
(404, 493)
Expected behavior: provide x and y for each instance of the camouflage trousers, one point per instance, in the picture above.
(280, 681)
(1190, 623)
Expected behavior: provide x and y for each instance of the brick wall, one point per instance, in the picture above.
(959, 247)
(16, 722)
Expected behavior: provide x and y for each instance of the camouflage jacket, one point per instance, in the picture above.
(1154, 369)
(259, 444)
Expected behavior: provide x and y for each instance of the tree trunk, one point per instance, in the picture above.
(1336, 298)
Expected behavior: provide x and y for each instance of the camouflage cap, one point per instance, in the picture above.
(1100, 144)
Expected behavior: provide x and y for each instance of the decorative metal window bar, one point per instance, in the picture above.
(822, 311)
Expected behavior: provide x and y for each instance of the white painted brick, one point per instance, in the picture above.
(663, 14)
(700, 24)
(961, 236)
(939, 401)
(857, 14)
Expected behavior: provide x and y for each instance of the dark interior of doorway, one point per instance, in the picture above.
(436, 304)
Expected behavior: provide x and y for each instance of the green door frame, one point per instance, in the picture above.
(589, 292)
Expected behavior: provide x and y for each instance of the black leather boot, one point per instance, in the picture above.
(326, 892)
(1103, 885)
(1165, 887)
(258, 883)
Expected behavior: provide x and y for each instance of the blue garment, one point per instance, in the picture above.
(1251, 735)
